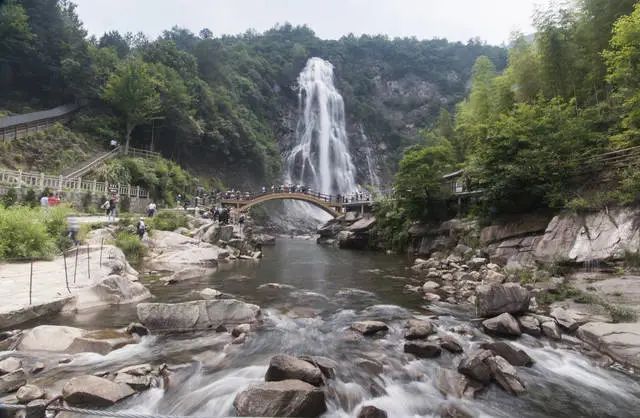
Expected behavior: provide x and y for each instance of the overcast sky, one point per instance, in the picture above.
(459, 20)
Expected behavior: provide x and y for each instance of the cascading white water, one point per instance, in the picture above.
(320, 159)
(373, 176)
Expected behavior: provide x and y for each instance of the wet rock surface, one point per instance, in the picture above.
(285, 367)
(369, 327)
(503, 324)
(94, 391)
(202, 314)
(287, 398)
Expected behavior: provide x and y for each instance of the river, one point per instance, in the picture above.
(323, 290)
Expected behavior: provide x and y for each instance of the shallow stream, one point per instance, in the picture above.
(322, 291)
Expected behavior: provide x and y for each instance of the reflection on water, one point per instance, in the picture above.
(310, 295)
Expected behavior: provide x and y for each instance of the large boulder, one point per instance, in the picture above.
(495, 299)
(287, 398)
(10, 382)
(505, 374)
(504, 324)
(475, 366)
(285, 367)
(10, 364)
(28, 393)
(529, 325)
(602, 235)
(551, 330)
(515, 356)
(73, 340)
(620, 341)
(370, 411)
(101, 342)
(567, 319)
(419, 329)
(422, 349)
(369, 327)
(198, 314)
(362, 225)
(452, 383)
(49, 338)
(94, 391)
(118, 289)
(326, 365)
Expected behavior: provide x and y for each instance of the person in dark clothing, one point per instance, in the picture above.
(141, 228)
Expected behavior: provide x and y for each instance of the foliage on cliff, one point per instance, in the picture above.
(163, 179)
(225, 103)
(525, 135)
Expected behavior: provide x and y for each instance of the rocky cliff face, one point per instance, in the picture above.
(568, 238)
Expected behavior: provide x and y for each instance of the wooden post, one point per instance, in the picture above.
(30, 281)
(66, 274)
(75, 268)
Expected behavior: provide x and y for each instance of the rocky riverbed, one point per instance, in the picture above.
(309, 331)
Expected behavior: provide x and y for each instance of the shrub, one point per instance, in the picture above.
(131, 246)
(10, 198)
(31, 232)
(168, 221)
(30, 198)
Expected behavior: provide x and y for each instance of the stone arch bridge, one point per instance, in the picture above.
(329, 203)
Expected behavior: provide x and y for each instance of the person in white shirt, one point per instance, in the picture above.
(44, 201)
(151, 209)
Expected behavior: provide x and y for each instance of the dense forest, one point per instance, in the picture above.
(223, 106)
(526, 136)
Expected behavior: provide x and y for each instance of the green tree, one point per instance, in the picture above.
(418, 182)
(623, 64)
(533, 155)
(475, 113)
(132, 91)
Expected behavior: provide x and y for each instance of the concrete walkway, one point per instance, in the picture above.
(49, 291)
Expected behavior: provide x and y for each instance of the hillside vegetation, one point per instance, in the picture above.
(525, 134)
(228, 103)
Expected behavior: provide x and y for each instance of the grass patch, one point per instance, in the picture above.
(168, 221)
(618, 313)
(28, 233)
(133, 249)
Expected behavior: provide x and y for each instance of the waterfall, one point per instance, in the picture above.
(320, 159)
(373, 176)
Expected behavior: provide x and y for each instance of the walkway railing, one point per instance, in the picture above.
(18, 126)
(40, 181)
(337, 200)
(95, 163)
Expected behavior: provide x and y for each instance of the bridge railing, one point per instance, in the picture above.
(327, 198)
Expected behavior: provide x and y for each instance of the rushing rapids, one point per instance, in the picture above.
(310, 296)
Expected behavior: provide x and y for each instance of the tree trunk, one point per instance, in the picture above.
(128, 138)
